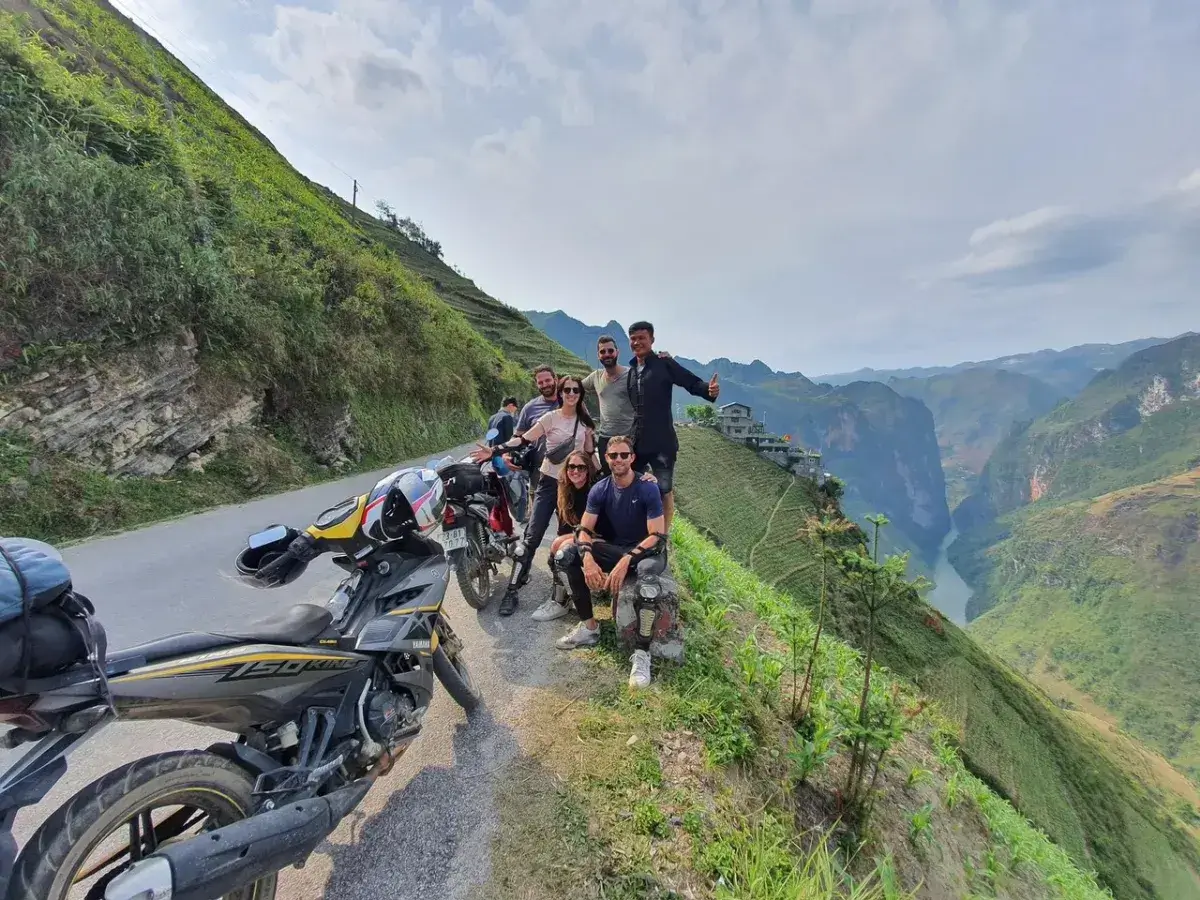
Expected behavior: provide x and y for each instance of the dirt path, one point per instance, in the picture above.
(771, 521)
(426, 830)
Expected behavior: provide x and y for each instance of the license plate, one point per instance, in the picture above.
(454, 539)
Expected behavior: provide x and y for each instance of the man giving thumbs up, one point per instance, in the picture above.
(650, 380)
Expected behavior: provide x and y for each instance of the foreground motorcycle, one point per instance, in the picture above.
(322, 700)
(478, 523)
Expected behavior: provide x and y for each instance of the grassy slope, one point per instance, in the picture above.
(503, 325)
(285, 285)
(1104, 597)
(1013, 737)
(688, 789)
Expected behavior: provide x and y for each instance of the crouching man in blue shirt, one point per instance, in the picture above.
(622, 526)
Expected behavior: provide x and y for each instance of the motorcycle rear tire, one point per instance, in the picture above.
(473, 564)
(50, 860)
(456, 679)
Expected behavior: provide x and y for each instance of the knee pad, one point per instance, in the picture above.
(566, 556)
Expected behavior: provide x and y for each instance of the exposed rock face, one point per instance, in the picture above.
(136, 413)
(1122, 422)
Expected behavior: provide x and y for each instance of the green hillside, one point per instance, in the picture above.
(1105, 599)
(139, 212)
(1012, 736)
(973, 410)
(1135, 424)
(500, 323)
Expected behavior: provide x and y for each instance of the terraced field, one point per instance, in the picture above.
(1012, 736)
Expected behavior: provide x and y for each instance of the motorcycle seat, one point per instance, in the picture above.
(293, 626)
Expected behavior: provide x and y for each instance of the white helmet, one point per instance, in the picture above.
(410, 499)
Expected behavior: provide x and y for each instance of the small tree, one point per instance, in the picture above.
(700, 413)
(833, 488)
(876, 586)
(822, 531)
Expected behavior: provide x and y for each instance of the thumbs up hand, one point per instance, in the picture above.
(714, 389)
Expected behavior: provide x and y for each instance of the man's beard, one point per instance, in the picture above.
(548, 392)
(609, 364)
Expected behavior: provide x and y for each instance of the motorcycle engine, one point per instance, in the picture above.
(386, 714)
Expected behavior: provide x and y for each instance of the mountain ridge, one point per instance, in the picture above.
(1069, 369)
(882, 444)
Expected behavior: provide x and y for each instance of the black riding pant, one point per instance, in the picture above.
(544, 505)
(607, 556)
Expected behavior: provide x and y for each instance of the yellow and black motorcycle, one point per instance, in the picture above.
(322, 699)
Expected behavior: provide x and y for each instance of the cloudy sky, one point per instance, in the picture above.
(821, 184)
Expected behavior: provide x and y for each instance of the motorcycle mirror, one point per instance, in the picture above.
(492, 434)
(268, 535)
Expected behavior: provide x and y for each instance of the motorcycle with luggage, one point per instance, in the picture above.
(478, 522)
(320, 701)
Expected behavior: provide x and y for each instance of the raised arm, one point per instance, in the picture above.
(690, 382)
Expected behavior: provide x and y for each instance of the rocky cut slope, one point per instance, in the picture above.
(175, 292)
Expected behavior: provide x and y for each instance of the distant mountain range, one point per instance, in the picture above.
(881, 443)
(1081, 541)
(1068, 370)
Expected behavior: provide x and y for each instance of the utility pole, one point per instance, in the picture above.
(354, 202)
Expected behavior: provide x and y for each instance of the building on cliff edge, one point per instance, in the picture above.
(736, 422)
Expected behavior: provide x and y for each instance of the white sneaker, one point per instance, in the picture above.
(549, 611)
(639, 675)
(582, 636)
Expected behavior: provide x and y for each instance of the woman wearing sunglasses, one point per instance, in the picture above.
(579, 474)
(566, 429)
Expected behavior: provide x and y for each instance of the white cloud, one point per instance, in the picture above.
(704, 161)
(1056, 243)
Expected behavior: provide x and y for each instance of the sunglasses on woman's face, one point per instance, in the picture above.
(572, 390)
(619, 454)
(576, 467)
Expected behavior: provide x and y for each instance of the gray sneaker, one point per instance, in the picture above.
(549, 610)
(582, 636)
(639, 673)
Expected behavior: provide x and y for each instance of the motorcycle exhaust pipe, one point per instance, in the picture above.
(218, 862)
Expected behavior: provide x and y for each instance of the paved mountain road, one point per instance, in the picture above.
(424, 830)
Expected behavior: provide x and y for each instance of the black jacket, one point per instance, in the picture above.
(503, 422)
(654, 428)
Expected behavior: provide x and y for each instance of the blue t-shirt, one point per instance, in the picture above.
(623, 512)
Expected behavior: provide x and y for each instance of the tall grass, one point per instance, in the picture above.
(753, 858)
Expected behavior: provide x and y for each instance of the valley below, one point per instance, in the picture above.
(950, 594)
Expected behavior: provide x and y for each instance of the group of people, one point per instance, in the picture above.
(609, 482)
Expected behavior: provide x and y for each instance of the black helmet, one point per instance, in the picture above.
(406, 500)
(264, 547)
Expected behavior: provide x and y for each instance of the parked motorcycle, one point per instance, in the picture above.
(323, 699)
(478, 523)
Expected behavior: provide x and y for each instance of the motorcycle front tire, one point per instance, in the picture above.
(456, 679)
(472, 570)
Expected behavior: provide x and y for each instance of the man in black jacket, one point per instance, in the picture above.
(504, 422)
(651, 379)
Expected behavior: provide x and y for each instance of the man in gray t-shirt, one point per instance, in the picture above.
(611, 388)
(546, 401)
